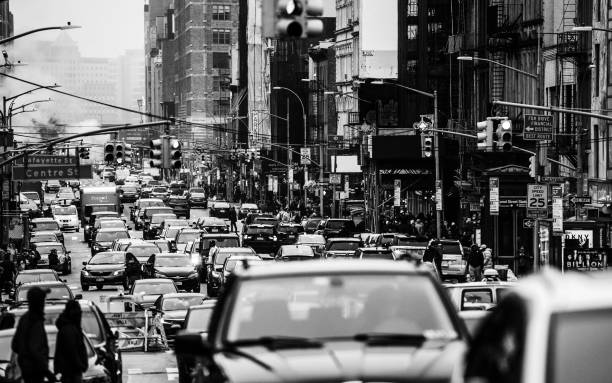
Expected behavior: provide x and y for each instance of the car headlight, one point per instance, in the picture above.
(246, 237)
(85, 272)
(118, 273)
(160, 275)
(274, 238)
(193, 275)
(86, 227)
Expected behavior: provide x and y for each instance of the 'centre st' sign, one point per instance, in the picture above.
(44, 167)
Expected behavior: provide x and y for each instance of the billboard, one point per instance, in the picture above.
(345, 164)
(378, 33)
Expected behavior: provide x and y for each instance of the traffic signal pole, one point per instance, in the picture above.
(439, 212)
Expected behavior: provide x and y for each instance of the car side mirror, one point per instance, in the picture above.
(192, 344)
(84, 263)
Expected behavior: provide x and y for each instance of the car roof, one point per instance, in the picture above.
(206, 305)
(46, 219)
(181, 295)
(167, 254)
(42, 232)
(219, 235)
(316, 267)
(237, 257)
(110, 252)
(47, 243)
(153, 280)
(36, 271)
(99, 189)
(111, 230)
(344, 239)
(472, 285)
(46, 284)
(374, 249)
(190, 230)
(107, 213)
(236, 250)
(260, 225)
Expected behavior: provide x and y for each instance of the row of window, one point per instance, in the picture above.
(222, 36)
(221, 12)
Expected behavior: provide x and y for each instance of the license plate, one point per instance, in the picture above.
(291, 236)
(178, 283)
(445, 263)
(99, 279)
(260, 238)
(221, 211)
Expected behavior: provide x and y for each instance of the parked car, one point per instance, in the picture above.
(104, 238)
(64, 264)
(220, 209)
(47, 224)
(179, 268)
(292, 322)
(341, 247)
(67, 217)
(262, 238)
(115, 268)
(197, 198)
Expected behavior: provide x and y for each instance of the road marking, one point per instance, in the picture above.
(172, 373)
(134, 371)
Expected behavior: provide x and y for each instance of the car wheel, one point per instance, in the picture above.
(84, 287)
(99, 287)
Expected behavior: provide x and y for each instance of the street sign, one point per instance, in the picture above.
(538, 127)
(537, 197)
(557, 213)
(305, 156)
(438, 196)
(578, 200)
(528, 223)
(552, 180)
(335, 179)
(290, 176)
(494, 196)
(44, 167)
(397, 192)
(537, 214)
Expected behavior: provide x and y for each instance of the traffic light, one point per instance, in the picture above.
(426, 146)
(119, 152)
(484, 133)
(532, 167)
(127, 153)
(84, 153)
(174, 154)
(109, 152)
(156, 153)
(504, 135)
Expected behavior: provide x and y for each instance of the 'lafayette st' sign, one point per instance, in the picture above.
(44, 167)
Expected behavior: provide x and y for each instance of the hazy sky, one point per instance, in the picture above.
(109, 27)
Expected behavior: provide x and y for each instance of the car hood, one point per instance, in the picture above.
(345, 361)
(175, 271)
(112, 267)
(175, 315)
(103, 243)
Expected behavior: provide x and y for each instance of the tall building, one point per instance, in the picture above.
(6, 20)
(132, 84)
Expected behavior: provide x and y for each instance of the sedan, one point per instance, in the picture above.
(197, 198)
(179, 205)
(315, 241)
(57, 291)
(108, 268)
(128, 193)
(179, 268)
(246, 209)
(288, 253)
(146, 291)
(220, 209)
(104, 238)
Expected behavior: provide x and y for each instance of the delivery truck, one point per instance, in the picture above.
(95, 199)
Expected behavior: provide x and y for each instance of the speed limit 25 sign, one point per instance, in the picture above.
(537, 197)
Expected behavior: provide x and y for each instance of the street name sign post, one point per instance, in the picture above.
(557, 210)
(538, 127)
(537, 201)
(43, 167)
(494, 196)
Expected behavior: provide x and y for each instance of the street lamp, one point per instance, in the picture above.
(470, 58)
(5, 100)
(438, 180)
(61, 27)
(589, 28)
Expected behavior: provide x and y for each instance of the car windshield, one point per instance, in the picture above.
(31, 195)
(43, 226)
(198, 191)
(331, 224)
(176, 222)
(111, 224)
(249, 206)
(343, 246)
(159, 190)
(230, 265)
(44, 238)
(154, 288)
(186, 237)
(311, 239)
(171, 232)
(34, 277)
(221, 242)
(338, 306)
(222, 205)
(65, 210)
(141, 251)
(158, 210)
(181, 303)
(130, 189)
(107, 259)
(55, 292)
(265, 221)
(180, 261)
(259, 230)
(109, 236)
(297, 251)
(46, 249)
(382, 254)
(592, 329)
(223, 255)
(451, 248)
(159, 218)
(198, 319)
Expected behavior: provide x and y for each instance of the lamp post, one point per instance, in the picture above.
(470, 58)
(438, 180)
(61, 27)
(5, 100)
(289, 156)
(589, 28)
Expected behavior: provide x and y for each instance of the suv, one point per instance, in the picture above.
(454, 264)
(197, 198)
(337, 227)
(220, 209)
(180, 205)
(262, 238)
(279, 320)
(215, 262)
(66, 216)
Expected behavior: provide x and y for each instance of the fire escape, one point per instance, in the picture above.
(571, 50)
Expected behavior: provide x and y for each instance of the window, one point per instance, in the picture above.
(221, 60)
(597, 67)
(221, 108)
(221, 12)
(221, 36)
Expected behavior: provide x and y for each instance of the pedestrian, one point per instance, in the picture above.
(475, 263)
(434, 255)
(233, 218)
(523, 262)
(8, 270)
(30, 340)
(70, 355)
(53, 259)
(488, 257)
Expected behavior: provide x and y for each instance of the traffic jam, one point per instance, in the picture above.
(240, 294)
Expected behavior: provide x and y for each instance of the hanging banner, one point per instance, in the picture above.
(557, 212)
(494, 196)
(397, 192)
(439, 195)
